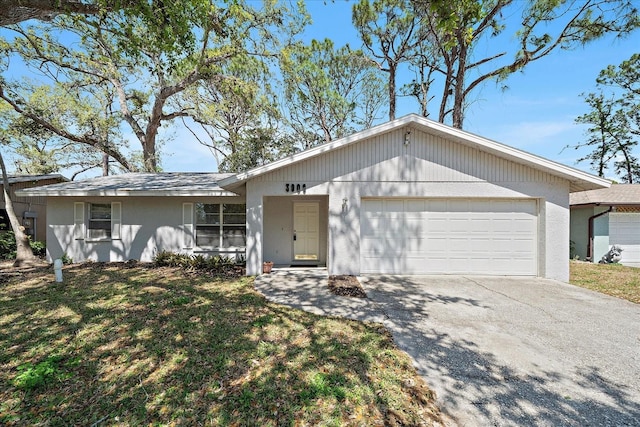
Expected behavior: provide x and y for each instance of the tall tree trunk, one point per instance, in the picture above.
(459, 89)
(24, 254)
(105, 164)
(392, 90)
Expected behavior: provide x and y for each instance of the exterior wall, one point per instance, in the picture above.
(149, 225)
(37, 205)
(428, 166)
(580, 231)
(278, 228)
(600, 237)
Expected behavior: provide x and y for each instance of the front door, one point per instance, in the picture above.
(306, 220)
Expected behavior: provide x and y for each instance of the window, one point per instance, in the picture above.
(103, 221)
(220, 225)
(99, 227)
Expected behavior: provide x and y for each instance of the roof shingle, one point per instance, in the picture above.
(138, 184)
(617, 194)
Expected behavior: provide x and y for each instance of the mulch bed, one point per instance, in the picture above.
(346, 286)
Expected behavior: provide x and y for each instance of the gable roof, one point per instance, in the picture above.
(137, 184)
(617, 194)
(579, 180)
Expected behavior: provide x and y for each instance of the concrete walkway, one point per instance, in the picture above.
(308, 290)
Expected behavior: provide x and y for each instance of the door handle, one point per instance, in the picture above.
(294, 235)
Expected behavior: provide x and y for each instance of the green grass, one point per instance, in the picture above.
(141, 346)
(611, 279)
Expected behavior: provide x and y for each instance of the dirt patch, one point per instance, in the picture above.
(346, 286)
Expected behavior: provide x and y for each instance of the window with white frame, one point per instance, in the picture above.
(97, 221)
(220, 225)
(99, 225)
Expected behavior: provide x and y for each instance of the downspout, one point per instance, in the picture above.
(590, 244)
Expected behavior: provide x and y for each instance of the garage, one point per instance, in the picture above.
(624, 231)
(449, 236)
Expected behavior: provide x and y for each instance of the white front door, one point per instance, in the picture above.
(306, 218)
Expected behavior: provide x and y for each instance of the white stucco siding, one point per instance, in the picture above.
(148, 225)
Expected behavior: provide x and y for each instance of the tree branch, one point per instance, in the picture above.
(64, 134)
(16, 11)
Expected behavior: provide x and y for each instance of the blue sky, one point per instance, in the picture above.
(536, 114)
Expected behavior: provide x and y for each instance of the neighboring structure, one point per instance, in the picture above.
(410, 196)
(606, 217)
(30, 210)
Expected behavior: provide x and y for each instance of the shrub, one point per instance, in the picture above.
(216, 264)
(8, 246)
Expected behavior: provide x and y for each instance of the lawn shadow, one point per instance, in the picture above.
(139, 345)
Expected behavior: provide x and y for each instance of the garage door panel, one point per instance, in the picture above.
(450, 236)
(415, 206)
(374, 206)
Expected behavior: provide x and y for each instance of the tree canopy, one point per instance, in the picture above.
(613, 121)
(397, 32)
(139, 75)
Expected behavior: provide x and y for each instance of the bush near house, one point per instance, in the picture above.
(134, 344)
(611, 279)
(8, 246)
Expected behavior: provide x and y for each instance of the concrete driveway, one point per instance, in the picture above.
(510, 351)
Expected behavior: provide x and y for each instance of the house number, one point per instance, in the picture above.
(295, 188)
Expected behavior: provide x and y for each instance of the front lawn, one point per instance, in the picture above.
(611, 279)
(122, 345)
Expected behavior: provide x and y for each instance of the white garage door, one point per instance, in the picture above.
(624, 231)
(448, 236)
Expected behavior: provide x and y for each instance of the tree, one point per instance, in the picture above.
(329, 92)
(395, 32)
(16, 11)
(424, 65)
(391, 32)
(614, 121)
(457, 28)
(39, 150)
(238, 115)
(24, 254)
(144, 75)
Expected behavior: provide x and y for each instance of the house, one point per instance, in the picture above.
(411, 196)
(30, 210)
(605, 217)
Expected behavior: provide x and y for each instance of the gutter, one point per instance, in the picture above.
(590, 243)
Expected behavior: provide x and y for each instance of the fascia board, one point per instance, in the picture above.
(124, 193)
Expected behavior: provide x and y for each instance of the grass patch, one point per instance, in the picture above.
(132, 345)
(611, 279)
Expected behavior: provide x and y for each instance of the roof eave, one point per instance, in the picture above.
(124, 193)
